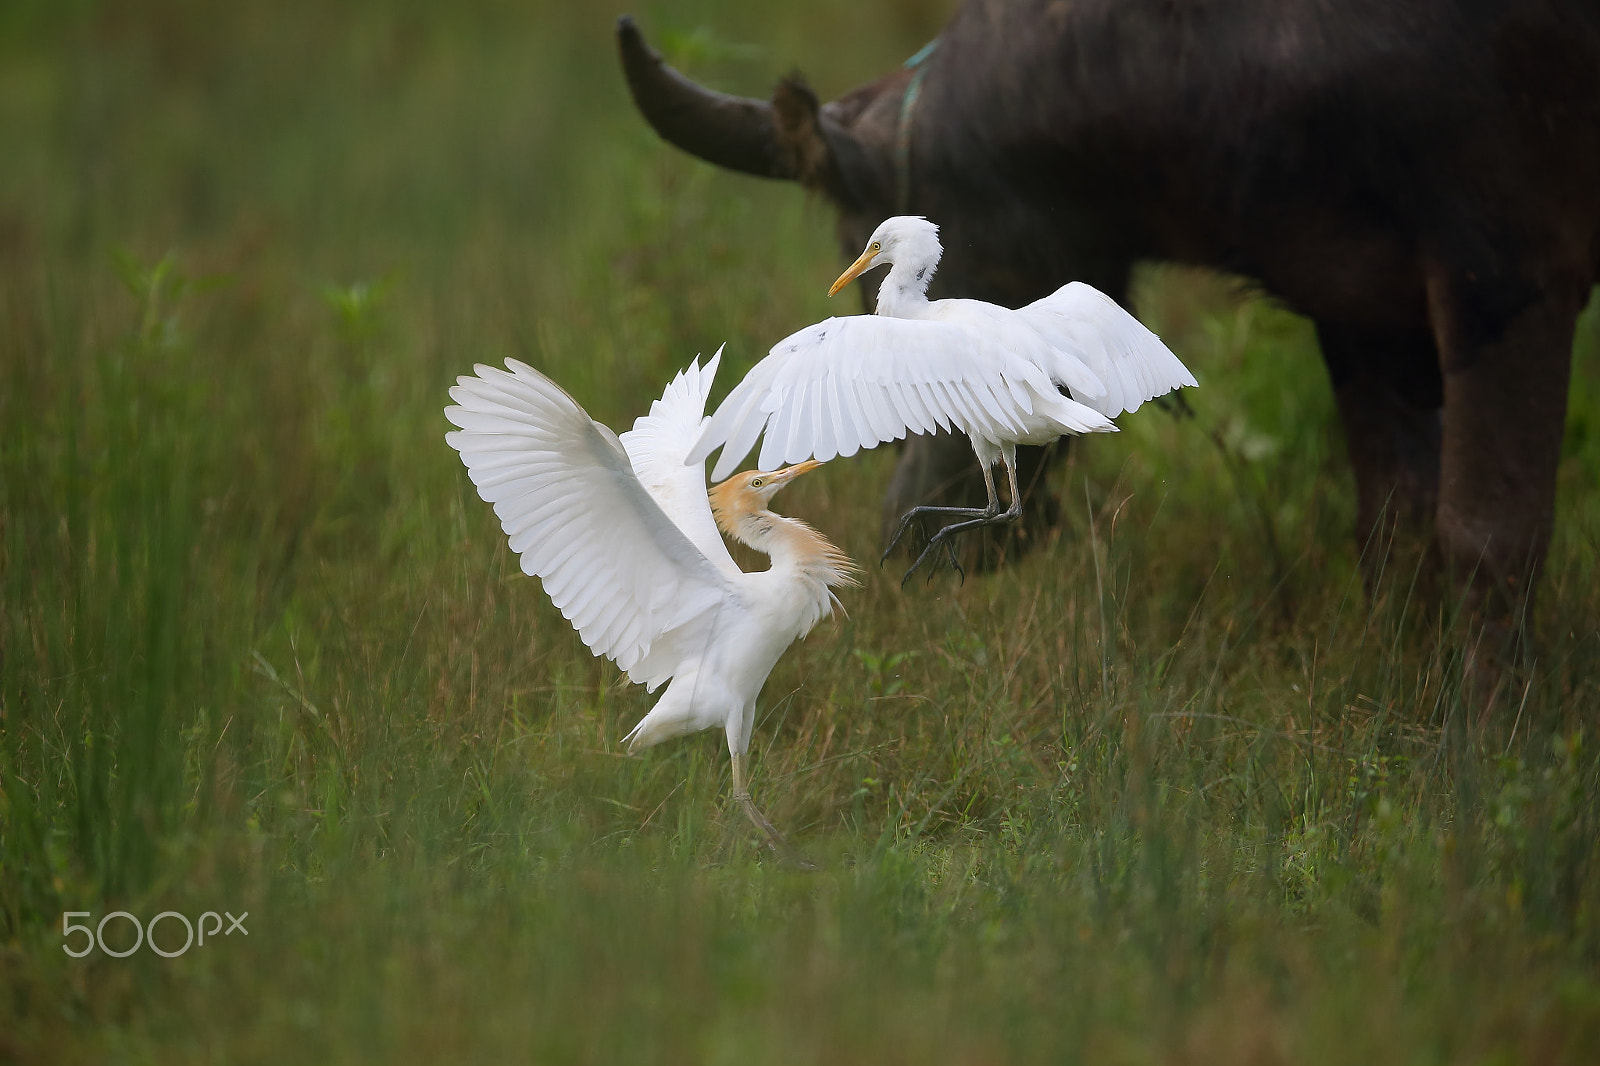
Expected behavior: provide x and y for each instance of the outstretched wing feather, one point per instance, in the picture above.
(856, 382)
(610, 558)
(656, 446)
(1087, 328)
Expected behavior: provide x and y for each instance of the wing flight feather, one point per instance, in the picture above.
(1086, 326)
(656, 447)
(905, 374)
(626, 576)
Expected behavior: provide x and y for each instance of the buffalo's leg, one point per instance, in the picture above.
(1389, 391)
(940, 470)
(1505, 401)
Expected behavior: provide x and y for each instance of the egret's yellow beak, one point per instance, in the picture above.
(855, 268)
(765, 482)
(789, 473)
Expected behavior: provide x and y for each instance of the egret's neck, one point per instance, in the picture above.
(905, 291)
(794, 546)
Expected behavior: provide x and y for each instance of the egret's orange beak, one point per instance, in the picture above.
(856, 268)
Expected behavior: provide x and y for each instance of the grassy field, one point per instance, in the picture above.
(1172, 789)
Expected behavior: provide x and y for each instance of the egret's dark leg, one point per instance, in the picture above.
(775, 840)
(938, 469)
(923, 510)
(938, 538)
(990, 516)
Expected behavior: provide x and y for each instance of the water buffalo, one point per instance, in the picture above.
(1421, 178)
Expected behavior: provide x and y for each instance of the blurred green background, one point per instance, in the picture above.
(1171, 789)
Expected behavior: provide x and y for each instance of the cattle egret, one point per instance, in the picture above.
(624, 537)
(994, 373)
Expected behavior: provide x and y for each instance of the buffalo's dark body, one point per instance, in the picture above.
(1422, 179)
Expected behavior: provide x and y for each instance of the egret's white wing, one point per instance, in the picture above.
(656, 447)
(611, 560)
(859, 381)
(1016, 333)
(1082, 322)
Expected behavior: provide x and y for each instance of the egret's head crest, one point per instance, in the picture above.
(904, 228)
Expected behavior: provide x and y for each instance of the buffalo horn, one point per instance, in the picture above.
(730, 131)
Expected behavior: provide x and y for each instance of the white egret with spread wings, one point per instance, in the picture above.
(624, 538)
(920, 365)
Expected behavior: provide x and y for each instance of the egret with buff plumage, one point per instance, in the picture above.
(624, 537)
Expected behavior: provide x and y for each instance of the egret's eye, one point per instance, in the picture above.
(875, 246)
(755, 482)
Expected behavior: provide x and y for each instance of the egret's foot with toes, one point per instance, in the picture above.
(923, 511)
(935, 540)
(943, 536)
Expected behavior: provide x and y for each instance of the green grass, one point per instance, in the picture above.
(1172, 789)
